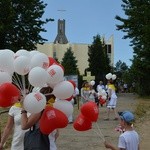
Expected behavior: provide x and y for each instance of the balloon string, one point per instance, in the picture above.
(17, 81)
(99, 135)
(24, 86)
(30, 88)
(100, 132)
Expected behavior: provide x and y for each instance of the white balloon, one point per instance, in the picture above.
(114, 77)
(64, 106)
(22, 65)
(34, 102)
(8, 51)
(22, 52)
(92, 82)
(108, 76)
(32, 53)
(56, 74)
(6, 61)
(104, 97)
(63, 90)
(40, 60)
(5, 77)
(37, 77)
(104, 92)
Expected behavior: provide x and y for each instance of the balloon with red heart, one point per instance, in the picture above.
(52, 119)
(82, 123)
(90, 111)
(9, 94)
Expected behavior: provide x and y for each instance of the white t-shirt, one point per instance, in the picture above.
(18, 135)
(129, 140)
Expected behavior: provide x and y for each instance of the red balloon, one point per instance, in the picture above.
(82, 123)
(102, 101)
(70, 98)
(52, 61)
(52, 119)
(9, 94)
(73, 83)
(90, 110)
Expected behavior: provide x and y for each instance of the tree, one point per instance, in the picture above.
(70, 63)
(99, 64)
(120, 68)
(21, 24)
(137, 28)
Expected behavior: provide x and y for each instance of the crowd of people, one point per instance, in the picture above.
(21, 121)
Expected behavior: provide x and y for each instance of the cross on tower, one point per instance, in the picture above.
(88, 77)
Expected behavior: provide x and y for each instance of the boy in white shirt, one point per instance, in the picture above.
(129, 140)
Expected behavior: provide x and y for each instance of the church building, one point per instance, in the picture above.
(60, 45)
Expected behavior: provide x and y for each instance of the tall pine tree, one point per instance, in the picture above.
(137, 28)
(21, 24)
(69, 62)
(98, 60)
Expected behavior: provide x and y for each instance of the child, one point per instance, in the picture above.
(129, 140)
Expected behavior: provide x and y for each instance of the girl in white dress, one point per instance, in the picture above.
(112, 100)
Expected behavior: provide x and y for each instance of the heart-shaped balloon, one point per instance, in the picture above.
(90, 111)
(82, 123)
(52, 119)
(9, 94)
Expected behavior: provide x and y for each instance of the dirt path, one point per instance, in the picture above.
(70, 139)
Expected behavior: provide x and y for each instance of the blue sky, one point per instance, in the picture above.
(87, 18)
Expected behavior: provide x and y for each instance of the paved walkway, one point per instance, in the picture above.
(70, 139)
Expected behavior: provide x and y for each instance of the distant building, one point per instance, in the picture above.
(60, 45)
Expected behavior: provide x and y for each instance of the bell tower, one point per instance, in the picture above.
(61, 37)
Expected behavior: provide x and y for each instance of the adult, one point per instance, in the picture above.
(52, 138)
(129, 140)
(28, 122)
(14, 122)
(73, 101)
(100, 86)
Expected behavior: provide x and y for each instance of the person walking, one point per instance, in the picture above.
(100, 86)
(129, 139)
(112, 100)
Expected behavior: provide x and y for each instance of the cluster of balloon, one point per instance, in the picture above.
(110, 76)
(41, 71)
(102, 95)
(89, 113)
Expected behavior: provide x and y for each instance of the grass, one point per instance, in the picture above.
(142, 111)
(3, 121)
(143, 108)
